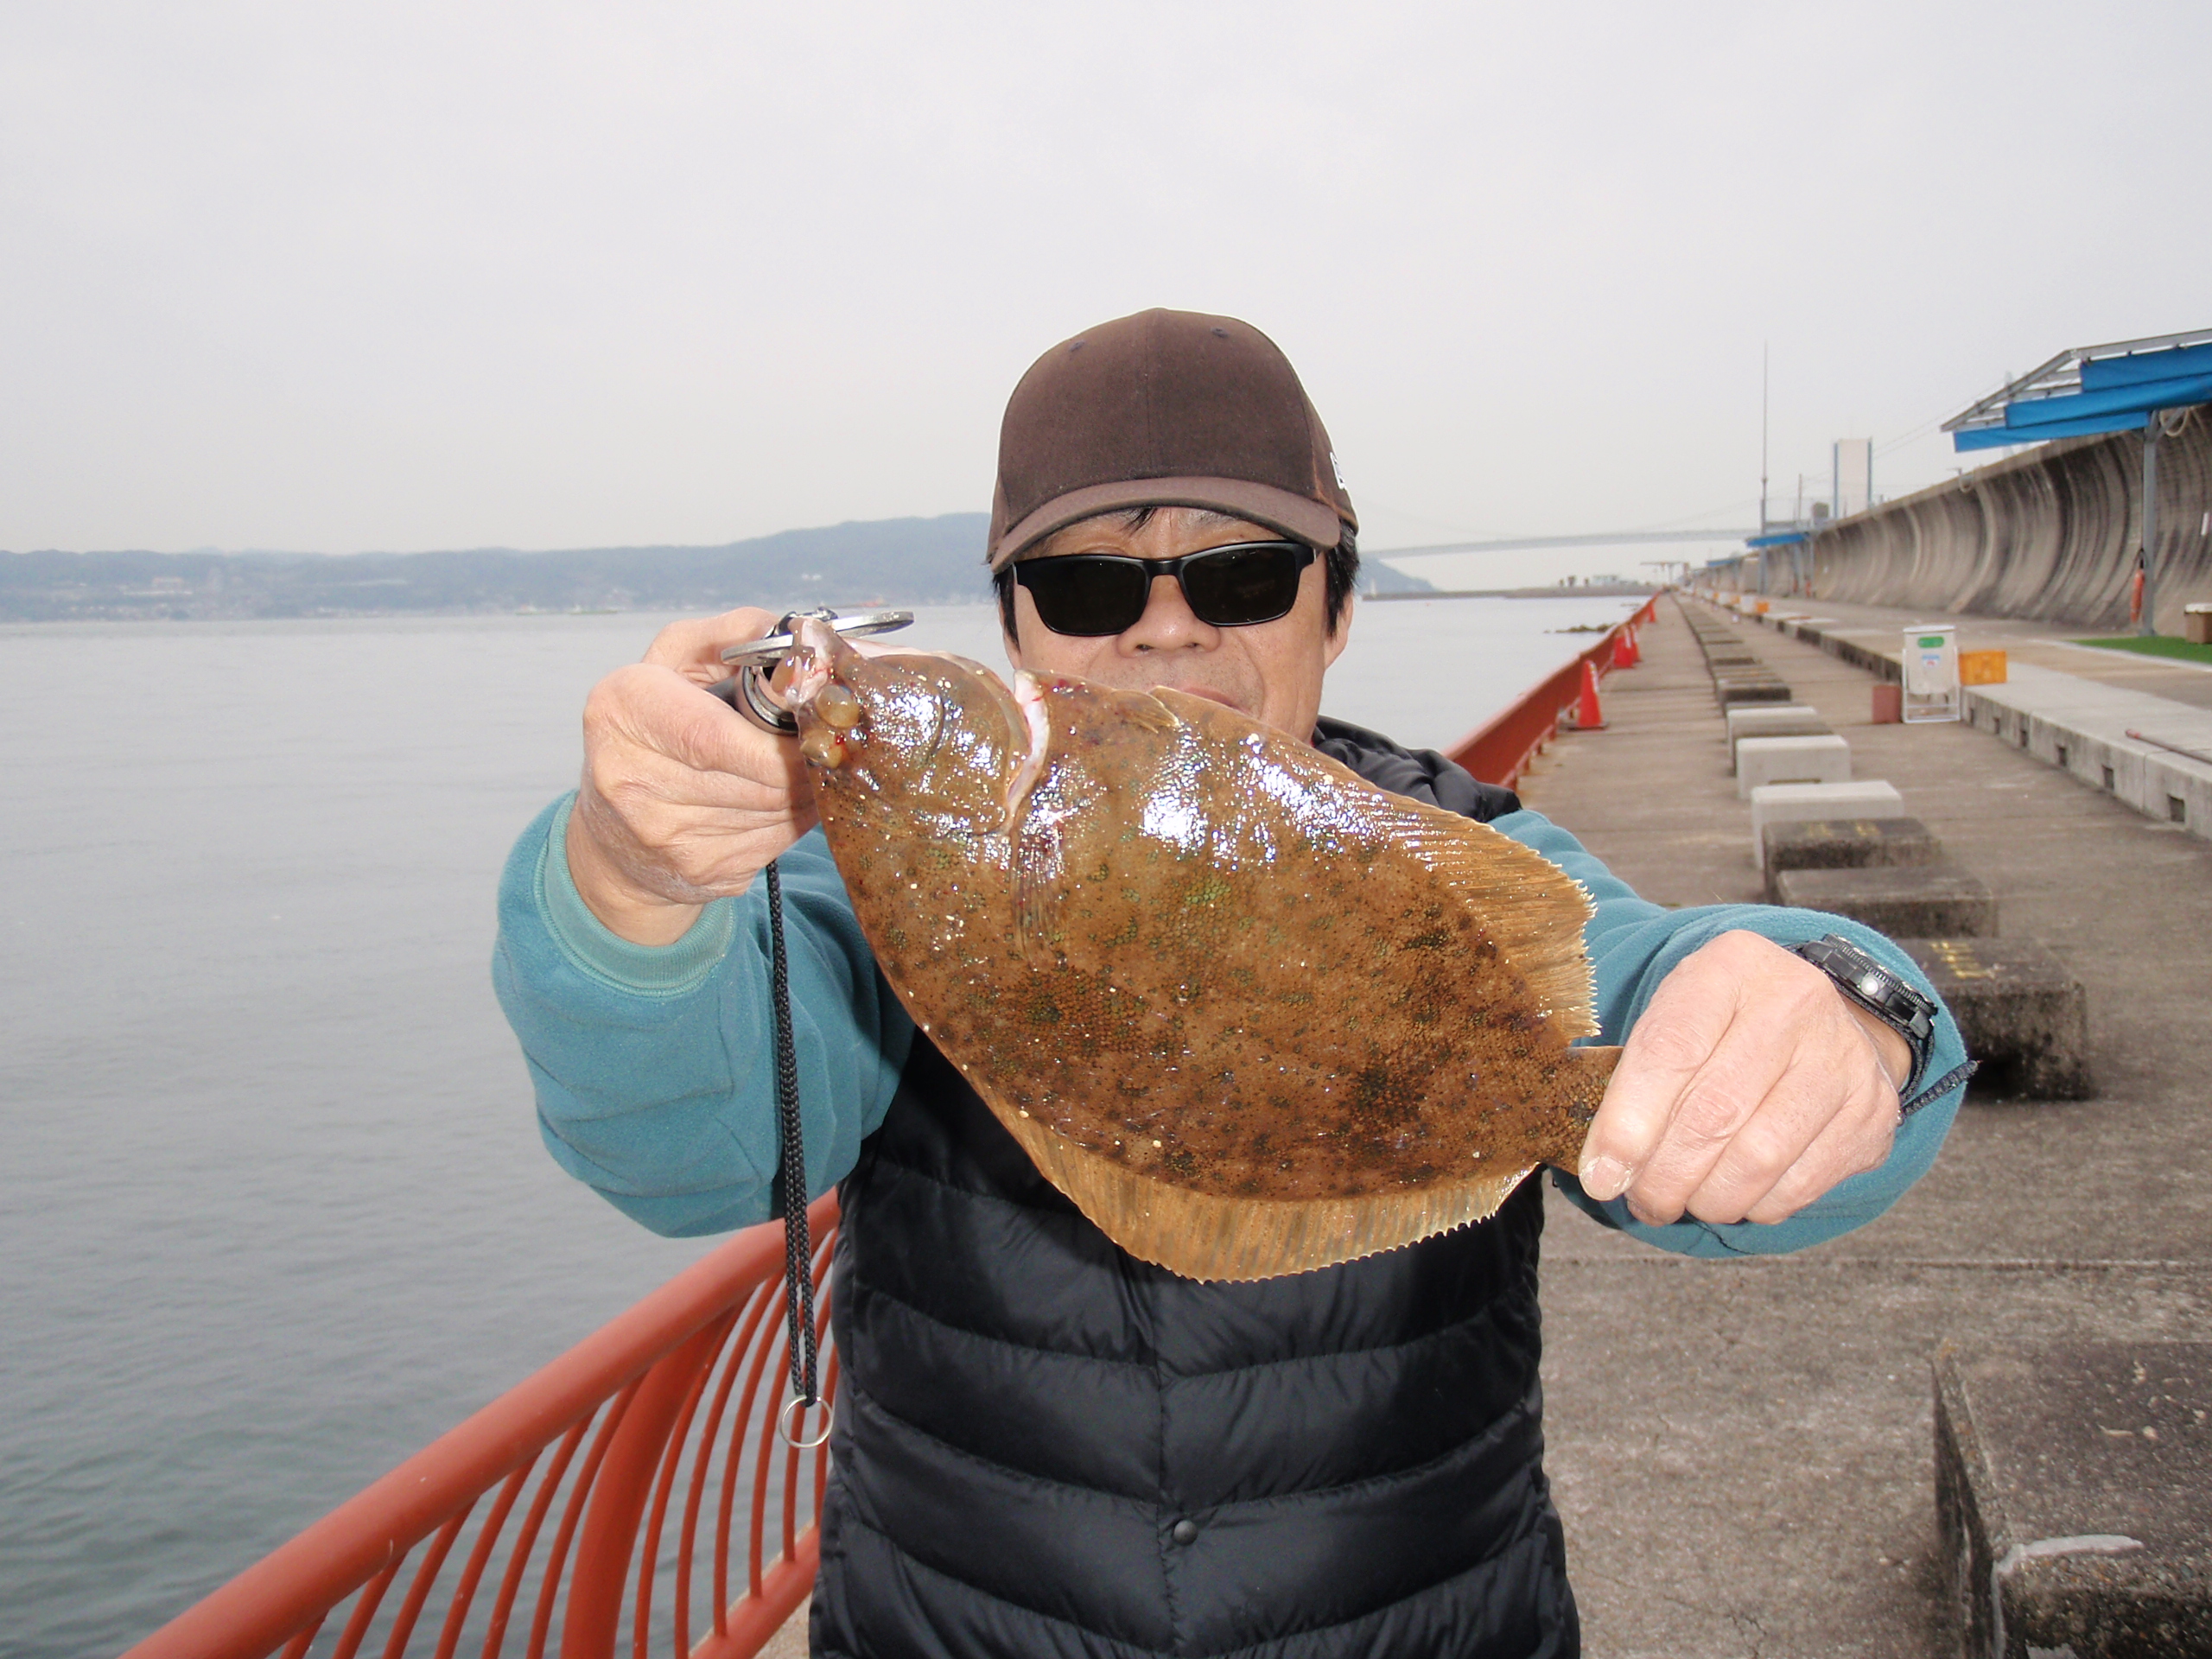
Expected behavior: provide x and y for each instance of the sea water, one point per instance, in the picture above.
(276, 1213)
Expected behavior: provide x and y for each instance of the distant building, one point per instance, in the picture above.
(1853, 486)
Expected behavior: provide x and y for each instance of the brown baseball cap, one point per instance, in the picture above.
(1165, 408)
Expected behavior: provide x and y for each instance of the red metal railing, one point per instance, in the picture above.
(648, 1403)
(1498, 751)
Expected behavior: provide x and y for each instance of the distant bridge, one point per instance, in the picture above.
(1601, 538)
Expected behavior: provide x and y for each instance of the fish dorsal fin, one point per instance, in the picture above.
(1533, 910)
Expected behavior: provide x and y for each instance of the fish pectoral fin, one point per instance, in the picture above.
(1161, 711)
(1037, 869)
(1533, 911)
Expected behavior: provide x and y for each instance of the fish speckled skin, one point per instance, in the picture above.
(1229, 977)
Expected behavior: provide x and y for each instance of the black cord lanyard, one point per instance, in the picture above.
(799, 1243)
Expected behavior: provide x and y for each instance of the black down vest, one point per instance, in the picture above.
(1045, 1447)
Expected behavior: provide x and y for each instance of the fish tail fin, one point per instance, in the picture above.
(1588, 1071)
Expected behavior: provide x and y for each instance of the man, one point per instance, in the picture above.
(1044, 1446)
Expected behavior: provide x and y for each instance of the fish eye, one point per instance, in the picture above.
(839, 705)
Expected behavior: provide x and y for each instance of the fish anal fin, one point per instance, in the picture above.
(1226, 1239)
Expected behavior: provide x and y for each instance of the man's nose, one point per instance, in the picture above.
(1168, 623)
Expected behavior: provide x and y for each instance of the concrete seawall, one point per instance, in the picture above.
(2049, 534)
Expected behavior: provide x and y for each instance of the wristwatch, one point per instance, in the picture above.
(1878, 990)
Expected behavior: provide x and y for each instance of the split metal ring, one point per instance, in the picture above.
(783, 1423)
(746, 691)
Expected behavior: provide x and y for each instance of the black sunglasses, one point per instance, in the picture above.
(1234, 586)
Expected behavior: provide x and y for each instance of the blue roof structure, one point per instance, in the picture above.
(2092, 389)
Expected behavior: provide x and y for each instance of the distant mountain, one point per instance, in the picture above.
(885, 561)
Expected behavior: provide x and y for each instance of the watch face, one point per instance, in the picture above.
(1884, 992)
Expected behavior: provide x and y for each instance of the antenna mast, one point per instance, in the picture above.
(1763, 426)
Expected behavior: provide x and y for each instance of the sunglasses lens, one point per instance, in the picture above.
(1085, 595)
(1239, 586)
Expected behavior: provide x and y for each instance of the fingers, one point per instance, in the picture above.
(1820, 1124)
(1747, 1089)
(1850, 1145)
(694, 647)
(649, 713)
(1662, 1068)
(683, 800)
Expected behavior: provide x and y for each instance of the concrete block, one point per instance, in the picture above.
(2022, 1014)
(1790, 760)
(1764, 688)
(1848, 844)
(1814, 727)
(1865, 798)
(2073, 1493)
(1911, 902)
(1771, 721)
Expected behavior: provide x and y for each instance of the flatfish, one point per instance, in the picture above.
(1252, 1014)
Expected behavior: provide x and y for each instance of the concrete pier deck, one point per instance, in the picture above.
(1742, 1452)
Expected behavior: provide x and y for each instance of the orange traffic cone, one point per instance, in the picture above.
(1586, 715)
(1625, 655)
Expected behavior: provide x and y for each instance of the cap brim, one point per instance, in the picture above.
(1297, 517)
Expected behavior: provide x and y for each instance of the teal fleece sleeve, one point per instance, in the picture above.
(1633, 943)
(655, 1068)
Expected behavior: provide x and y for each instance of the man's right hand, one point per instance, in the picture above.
(684, 800)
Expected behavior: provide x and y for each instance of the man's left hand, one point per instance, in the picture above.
(1749, 1087)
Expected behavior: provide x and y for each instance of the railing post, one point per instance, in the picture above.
(620, 1495)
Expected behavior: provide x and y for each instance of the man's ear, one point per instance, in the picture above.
(1009, 619)
(1339, 636)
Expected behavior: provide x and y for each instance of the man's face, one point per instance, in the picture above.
(1270, 670)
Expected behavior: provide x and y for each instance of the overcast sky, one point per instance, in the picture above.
(403, 277)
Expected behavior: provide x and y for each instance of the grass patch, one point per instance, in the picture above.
(2155, 644)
